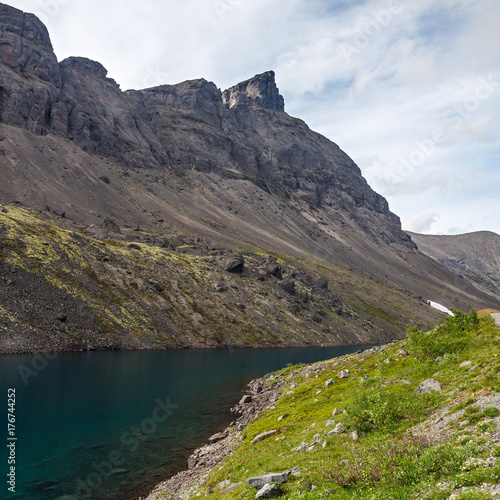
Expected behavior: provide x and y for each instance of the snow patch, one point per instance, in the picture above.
(439, 307)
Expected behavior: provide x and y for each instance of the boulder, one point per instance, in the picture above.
(339, 429)
(224, 484)
(344, 374)
(288, 287)
(273, 268)
(429, 385)
(268, 491)
(330, 382)
(246, 399)
(236, 264)
(258, 482)
(321, 284)
(262, 436)
(111, 225)
(217, 437)
(231, 487)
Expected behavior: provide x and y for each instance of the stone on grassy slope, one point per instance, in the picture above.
(301, 447)
(262, 436)
(258, 482)
(339, 429)
(429, 385)
(268, 491)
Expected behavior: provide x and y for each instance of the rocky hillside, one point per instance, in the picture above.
(188, 166)
(418, 419)
(475, 257)
(64, 287)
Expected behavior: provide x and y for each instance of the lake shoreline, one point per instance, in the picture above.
(261, 394)
(183, 347)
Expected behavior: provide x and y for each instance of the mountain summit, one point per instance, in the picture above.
(261, 90)
(189, 169)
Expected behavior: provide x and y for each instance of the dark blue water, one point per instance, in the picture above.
(113, 424)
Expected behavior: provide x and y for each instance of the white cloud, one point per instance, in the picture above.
(421, 223)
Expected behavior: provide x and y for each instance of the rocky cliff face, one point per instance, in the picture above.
(192, 125)
(231, 167)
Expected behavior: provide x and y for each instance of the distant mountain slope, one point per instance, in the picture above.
(475, 257)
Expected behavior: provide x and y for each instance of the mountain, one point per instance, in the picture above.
(193, 178)
(475, 257)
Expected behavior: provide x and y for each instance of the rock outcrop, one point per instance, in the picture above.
(261, 91)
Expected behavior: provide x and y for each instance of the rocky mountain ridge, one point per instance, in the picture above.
(229, 168)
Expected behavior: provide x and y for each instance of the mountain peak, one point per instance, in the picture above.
(261, 90)
(25, 46)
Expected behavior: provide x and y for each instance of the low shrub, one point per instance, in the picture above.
(449, 337)
(409, 461)
(387, 410)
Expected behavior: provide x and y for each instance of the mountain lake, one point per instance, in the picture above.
(114, 424)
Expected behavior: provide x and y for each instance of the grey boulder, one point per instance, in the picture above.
(259, 482)
(429, 385)
(268, 491)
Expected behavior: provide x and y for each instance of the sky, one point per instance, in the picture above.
(409, 89)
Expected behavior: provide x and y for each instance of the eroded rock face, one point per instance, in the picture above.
(25, 46)
(261, 90)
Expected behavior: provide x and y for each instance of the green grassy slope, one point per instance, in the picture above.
(406, 445)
